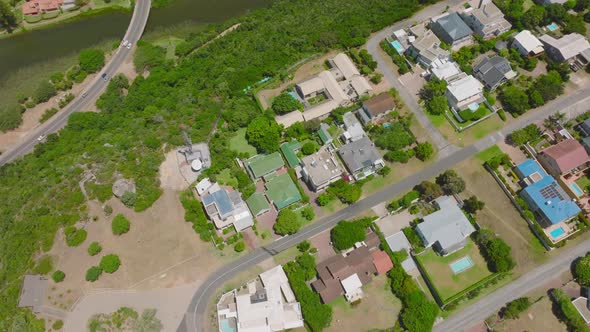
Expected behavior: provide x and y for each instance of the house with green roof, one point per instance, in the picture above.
(281, 191)
(324, 134)
(258, 204)
(289, 150)
(262, 165)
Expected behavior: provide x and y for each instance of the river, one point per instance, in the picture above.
(63, 39)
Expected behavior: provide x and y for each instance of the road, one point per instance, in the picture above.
(572, 105)
(93, 90)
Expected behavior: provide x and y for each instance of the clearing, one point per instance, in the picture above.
(538, 317)
(239, 143)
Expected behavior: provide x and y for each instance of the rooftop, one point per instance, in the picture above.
(380, 104)
(257, 203)
(529, 42)
(346, 66)
(397, 242)
(289, 150)
(494, 70)
(282, 191)
(33, 292)
(324, 133)
(353, 126)
(446, 70)
(451, 27)
(381, 261)
(359, 154)
(465, 88)
(321, 167)
(568, 46)
(261, 165)
(448, 226)
(567, 154)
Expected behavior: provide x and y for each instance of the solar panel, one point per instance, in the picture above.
(551, 191)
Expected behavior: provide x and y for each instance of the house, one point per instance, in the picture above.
(265, 304)
(346, 274)
(586, 144)
(572, 48)
(452, 30)
(324, 134)
(345, 66)
(397, 242)
(225, 208)
(361, 158)
(33, 292)
(376, 107)
(582, 305)
(320, 169)
(34, 7)
(282, 191)
(289, 150)
(564, 157)
(493, 72)
(258, 204)
(464, 92)
(585, 127)
(486, 19)
(203, 186)
(527, 44)
(353, 128)
(544, 195)
(446, 71)
(262, 165)
(425, 47)
(447, 229)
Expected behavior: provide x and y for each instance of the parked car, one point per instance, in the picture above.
(104, 76)
(40, 138)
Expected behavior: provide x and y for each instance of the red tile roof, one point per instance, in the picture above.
(33, 7)
(382, 261)
(567, 154)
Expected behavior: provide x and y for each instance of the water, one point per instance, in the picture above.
(556, 233)
(398, 47)
(576, 189)
(64, 39)
(552, 27)
(461, 265)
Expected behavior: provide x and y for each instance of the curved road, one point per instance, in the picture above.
(139, 19)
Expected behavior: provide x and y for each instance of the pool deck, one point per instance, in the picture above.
(568, 231)
(463, 268)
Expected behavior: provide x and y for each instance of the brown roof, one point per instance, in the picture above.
(567, 154)
(372, 240)
(380, 104)
(382, 261)
(328, 290)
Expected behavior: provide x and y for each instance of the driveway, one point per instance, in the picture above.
(394, 223)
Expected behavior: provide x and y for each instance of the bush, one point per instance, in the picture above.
(91, 60)
(582, 270)
(110, 263)
(309, 148)
(240, 246)
(308, 213)
(526, 134)
(502, 114)
(514, 308)
(472, 204)
(304, 246)
(399, 156)
(324, 198)
(93, 273)
(285, 103)
(193, 213)
(129, 199)
(58, 276)
(424, 151)
(48, 114)
(346, 233)
(94, 249)
(287, 222)
(148, 56)
(74, 236)
(58, 324)
(429, 190)
(346, 192)
(120, 225)
(44, 92)
(44, 266)
(498, 254)
(568, 312)
(451, 182)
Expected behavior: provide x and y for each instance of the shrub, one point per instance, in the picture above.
(304, 246)
(285, 103)
(129, 199)
(58, 276)
(582, 270)
(451, 182)
(308, 213)
(44, 266)
(526, 134)
(399, 156)
(502, 114)
(148, 56)
(48, 114)
(498, 254)
(94, 249)
(472, 204)
(309, 148)
(93, 273)
(91, 60)
(324, 198)
(74, 236)
(58, 324)
(110, 263)
(346, 192)
(120, 225)
(346, 233)
(44, 92)
(424, 151)
(568, 312)
(514, 308)
(240, 246)
(287, 222)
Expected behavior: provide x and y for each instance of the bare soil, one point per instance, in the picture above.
(537, 318)
(170, 175)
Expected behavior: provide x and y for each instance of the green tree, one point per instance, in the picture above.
(110, 263)
(514, 308)
(93, 273)
(94, 249)
(58, 276)
(451, 182)
(57, 325)
(550, 86)
(120, 225)
(44, 92)
(346, 233)
(287, 222)
(304, 246)
(148, 56)
(308, 213)
(534, 17)
(526, 134)
(7, 17)
(514, 100)
(582, 270)
(91, 60)
(309, 148)
(264, 134)
(285, 103)
(438, 105)
(324, 198)
(424, 151)
(346, 192)
(240, 246)
(429, 190)
(472, 204)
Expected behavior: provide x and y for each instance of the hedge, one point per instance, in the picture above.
(568, 312)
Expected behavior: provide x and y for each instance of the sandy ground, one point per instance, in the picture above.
(170, 176)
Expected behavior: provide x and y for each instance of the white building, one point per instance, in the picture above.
(527, 44)
(486, 19)
(464, 92)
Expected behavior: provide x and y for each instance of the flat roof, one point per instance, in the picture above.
(321, 167)
(261, 165)
(282, 191)
(33, 292)
(465, 88)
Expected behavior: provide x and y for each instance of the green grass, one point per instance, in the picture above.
(169, 43)
(112, 3)
(226, 178)
(489, 153)
(442, 277)
(583, 183)
(239, 144)
(437, 120)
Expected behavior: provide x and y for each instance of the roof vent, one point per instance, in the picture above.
(548, 203)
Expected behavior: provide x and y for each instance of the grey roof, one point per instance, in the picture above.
(33, 292)
(451, 28)
(586, 142)
(493, 70)
(359, 154)
(448, 226)
(568, 46)
(397, 242)
(222, 202)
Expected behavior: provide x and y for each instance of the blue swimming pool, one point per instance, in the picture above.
(387, 125)
(556, 233)
(553, 26)
(461, 264)
(226, 326)
(398, 47)
(293, 94)
(473, 107)
(576, 189)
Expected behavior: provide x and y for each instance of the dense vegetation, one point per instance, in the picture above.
(567, 312)
(497, 253)
(41, 193)
(582, 270)
(514, 308)
(347, 233)
(120, 225)
(287, 222)
(526, 134)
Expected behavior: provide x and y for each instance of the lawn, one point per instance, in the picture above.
(467, 136)
(239, 144)
(442, 277)
(169, 43)
(583, 183)
(226, 178)
(489, 153)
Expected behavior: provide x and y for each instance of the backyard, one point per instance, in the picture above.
(445, 280)
(239, 143)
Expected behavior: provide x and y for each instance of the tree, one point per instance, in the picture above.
(91, 60)
(526, 134)
(264, 134)
(93, 273)
(324, 198)
(451, 182)
(7, 17)
(287, 222)
(148, 56)
(304, 246)
(120, 225)
(346, 233)
(309, 148)
(534, 17)
(285, 103)
(346, 192)
(148, 322)
(74, 236)
(308, 213)
(498, 254)
(240, 246)
(44, 92)
(110, 263)
(433, 88)
(513, 308)
(94, 249)
(438, 105)
(58, 276)
(550, 86)
(514, 100)
(472, 204)
(429, 190)
(424, 151)
(582, 270)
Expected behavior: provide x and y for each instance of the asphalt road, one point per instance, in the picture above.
(93, 90)
(195, 318)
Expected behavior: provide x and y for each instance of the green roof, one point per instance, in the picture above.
(261, 165)
(290, 152)
(257, 203)
(324, 134)
(282, 192)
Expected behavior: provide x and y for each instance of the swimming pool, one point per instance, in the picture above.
(576, 189)
(398, 47)
(461, 264)
(293, 94)
(557, 232)
(553, 26)
(226, 326)
(473, 107)
(387, 125)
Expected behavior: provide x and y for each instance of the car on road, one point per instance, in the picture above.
(84, 94)
(125, 43)
(104, 76)
(40, 138)
(129, 45)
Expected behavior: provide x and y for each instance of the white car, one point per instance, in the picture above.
(129, 45)
(125, 43)
(40, 138)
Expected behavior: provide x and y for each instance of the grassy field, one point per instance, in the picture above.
(489, 153)
(226, 178)
(583, 182)
(467, 136)
(239, 144)
(446, 282)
